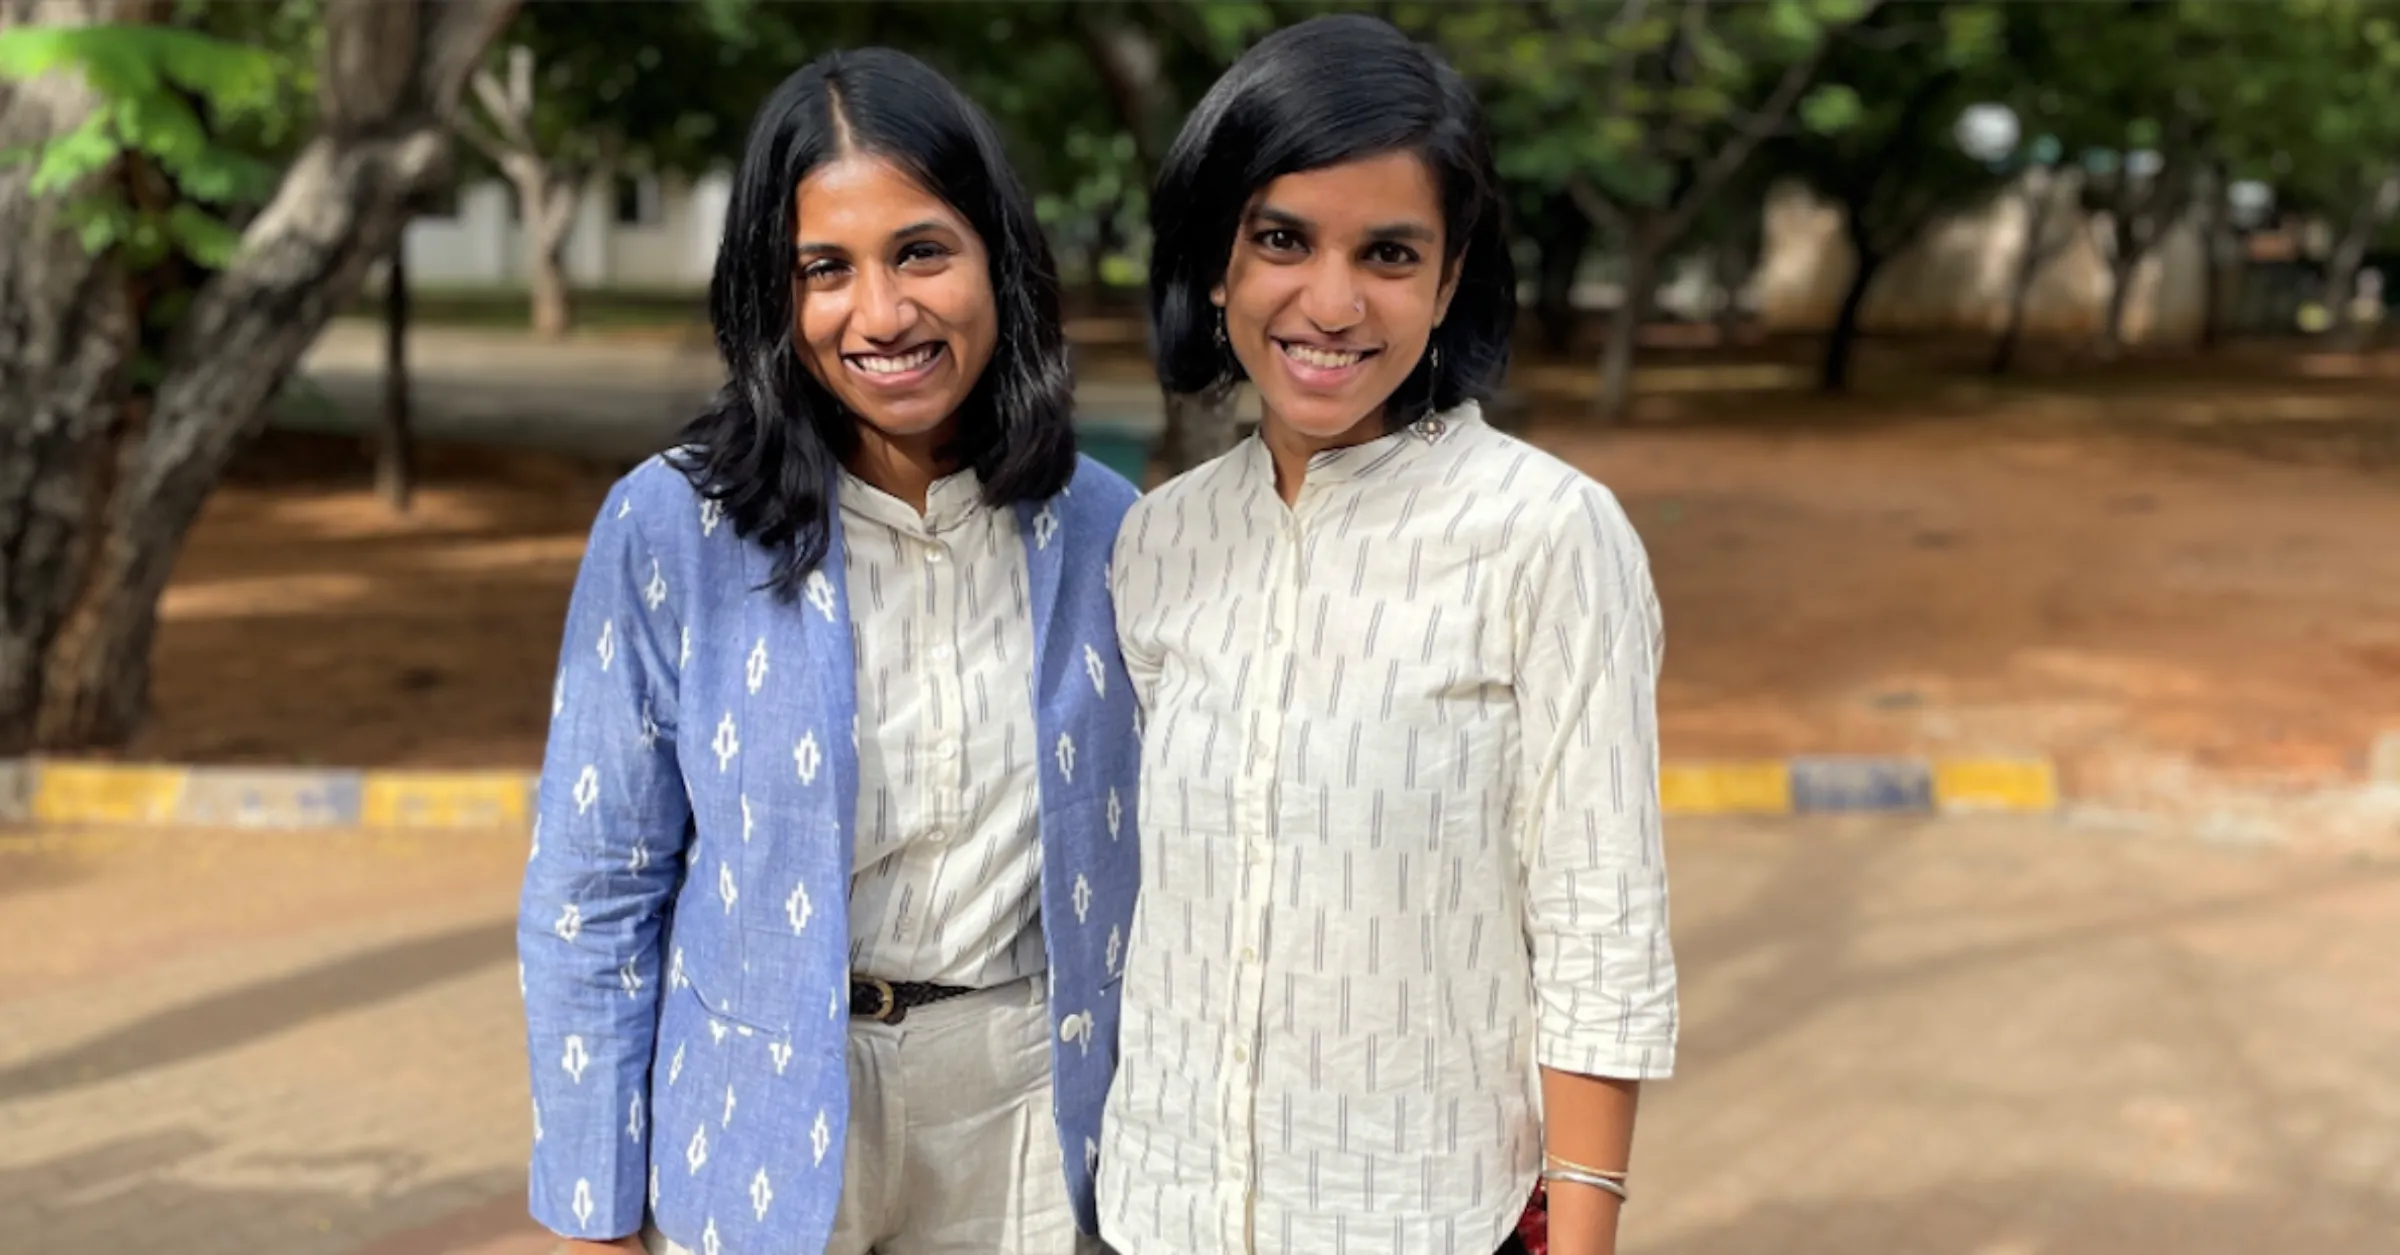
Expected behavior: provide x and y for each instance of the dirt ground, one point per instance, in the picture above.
(2167, 575)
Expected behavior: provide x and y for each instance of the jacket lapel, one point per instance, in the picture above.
(1038, 527)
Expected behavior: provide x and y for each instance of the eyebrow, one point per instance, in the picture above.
(911, 231)
(1403, 232)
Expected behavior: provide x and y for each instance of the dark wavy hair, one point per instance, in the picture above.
(769, 444)
(1321, 93)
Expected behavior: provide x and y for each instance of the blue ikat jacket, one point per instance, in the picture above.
(683, 933)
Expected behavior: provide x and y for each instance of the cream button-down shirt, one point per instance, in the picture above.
(946, 885)
(1400, 843)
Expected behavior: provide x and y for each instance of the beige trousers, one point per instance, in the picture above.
(951, 1148)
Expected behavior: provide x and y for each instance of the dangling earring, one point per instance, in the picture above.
(1431, 425)
(1225, 359)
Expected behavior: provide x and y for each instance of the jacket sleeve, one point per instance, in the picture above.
(611, 821)
(1589, 648)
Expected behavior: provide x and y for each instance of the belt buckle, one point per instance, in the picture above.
(890, 1011)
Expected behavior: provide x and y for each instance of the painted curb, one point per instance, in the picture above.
(1836, 784)
(68, 793)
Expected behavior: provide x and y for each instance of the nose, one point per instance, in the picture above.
(883, 312)
(1331, 299)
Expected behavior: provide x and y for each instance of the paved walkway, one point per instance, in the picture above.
(598, 394)
(1948, 1037)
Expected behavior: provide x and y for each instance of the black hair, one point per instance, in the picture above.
(768, 445)
(1320, 93)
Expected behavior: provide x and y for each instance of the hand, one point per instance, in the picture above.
(631, 1245)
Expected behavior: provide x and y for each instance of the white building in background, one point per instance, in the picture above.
(644, 233)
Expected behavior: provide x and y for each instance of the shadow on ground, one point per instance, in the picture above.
(253, 1013)
(2051, 1215)
(118, 1198)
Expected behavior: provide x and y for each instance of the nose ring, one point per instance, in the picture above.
(1358, 305)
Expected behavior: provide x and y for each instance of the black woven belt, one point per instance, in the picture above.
(889, 1002)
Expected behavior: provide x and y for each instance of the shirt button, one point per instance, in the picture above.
(946, 751)
(943, 653)
(1274, 636)
(1241, 1054)
(1249, 955)
(937, 836)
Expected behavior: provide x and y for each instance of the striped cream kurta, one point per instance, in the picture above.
(1400, 843)
(946, 879)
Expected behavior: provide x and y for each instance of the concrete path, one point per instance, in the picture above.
(1940, 1037)
(609, 396)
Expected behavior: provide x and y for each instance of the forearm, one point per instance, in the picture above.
(1587, 1122)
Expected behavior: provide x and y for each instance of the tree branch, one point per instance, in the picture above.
(1621, 81)
(501, 103)
(1127, 61)
(393, 72)
(482, 140)
(1713, 174)
(1177, 15)
(1596, 206)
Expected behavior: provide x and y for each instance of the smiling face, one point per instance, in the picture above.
(893, 309)
(1334, 288)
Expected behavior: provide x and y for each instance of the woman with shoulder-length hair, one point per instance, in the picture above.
(821, 925)
(1401, 950)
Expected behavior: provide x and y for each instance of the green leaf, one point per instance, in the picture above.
(77, 155)
(99, 222)
(1792, 21)
(1831, 109)
(163, 126)
(202, 236)
(1972, 33)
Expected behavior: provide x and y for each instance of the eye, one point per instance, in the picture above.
(922, 251)
(1278, 240)
(822, 270)
(1387, 253)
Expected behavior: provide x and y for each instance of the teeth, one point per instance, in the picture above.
(1320, 358)
(899, 365)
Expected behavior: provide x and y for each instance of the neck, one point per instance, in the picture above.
(903, 466)
(1290, 449)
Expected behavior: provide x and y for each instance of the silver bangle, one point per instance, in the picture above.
(1597, 1182)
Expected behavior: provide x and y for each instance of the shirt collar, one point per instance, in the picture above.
(950, 501)
(1381, 456)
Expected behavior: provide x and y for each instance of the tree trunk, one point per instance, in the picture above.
(2030, 260)
(1734, 258)
(2137, 222)
(1199, 426)
(2216, 248)
(395, 476)
(2367, 221)
(1625, 327)
(2004, 350)
(546, 203)
(553, 300)
(100, 476)
(1842, 344)
(1564, 237)
(2120, 293)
